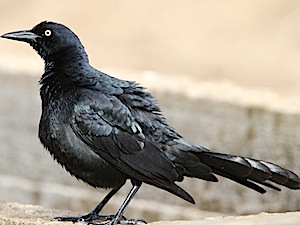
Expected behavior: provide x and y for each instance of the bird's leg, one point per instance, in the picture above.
(94, 214)
(119, 218)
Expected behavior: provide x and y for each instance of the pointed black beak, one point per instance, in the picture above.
(24, 35)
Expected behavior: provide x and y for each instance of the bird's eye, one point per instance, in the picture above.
(48, 33)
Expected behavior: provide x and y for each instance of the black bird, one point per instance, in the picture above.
(104, 130)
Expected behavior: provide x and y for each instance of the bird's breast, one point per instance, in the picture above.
(57, 136)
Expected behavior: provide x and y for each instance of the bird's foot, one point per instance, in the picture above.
(95, 219)
(132, 221)
(88, 218)
(113, 221)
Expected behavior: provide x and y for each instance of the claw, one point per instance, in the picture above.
(69, 219)
(132, 221)
(113, 221)
(95, 219)
(85, 218)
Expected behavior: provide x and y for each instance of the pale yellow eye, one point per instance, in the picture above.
(48, 33)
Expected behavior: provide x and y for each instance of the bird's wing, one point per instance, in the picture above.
(107, 126)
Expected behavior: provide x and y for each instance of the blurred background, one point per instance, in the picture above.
(226, 74)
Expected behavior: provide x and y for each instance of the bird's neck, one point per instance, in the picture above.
(67, 62)
(69, 56)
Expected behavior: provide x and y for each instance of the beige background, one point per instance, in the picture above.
(253, 43)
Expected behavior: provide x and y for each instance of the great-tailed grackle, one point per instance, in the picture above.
(104, 130)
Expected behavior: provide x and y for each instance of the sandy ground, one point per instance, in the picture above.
(14, 213)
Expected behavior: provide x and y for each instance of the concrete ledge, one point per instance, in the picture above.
(290, 218)
(221, 116)
(15, 213)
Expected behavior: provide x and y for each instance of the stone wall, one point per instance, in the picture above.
(221, 116)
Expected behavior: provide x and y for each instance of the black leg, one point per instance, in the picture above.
(123, 207)
(119, 218)
(93, 215)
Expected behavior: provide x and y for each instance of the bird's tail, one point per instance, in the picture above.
(249, 172)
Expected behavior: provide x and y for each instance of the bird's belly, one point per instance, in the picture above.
(77, 158)
(93, 170)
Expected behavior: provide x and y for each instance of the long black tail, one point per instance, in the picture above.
(249, 172)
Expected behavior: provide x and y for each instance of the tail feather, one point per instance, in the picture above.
(241, 181)
(250, 172)
(293, 182)
(260, 172)
(269, 184)
(282, 176)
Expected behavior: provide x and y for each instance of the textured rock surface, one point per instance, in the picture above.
(15, 213)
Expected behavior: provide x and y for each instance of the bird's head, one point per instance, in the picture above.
(49, 39)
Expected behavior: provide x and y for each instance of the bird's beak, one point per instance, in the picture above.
(24, 35)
